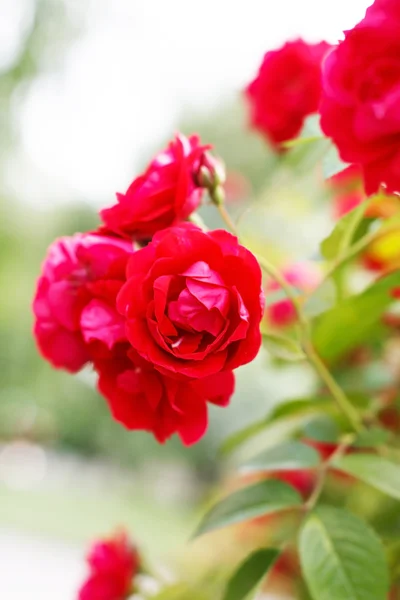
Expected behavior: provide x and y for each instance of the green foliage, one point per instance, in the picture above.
(257, 500)
(352, 322)
(250, 574)
(369, 438)
(322, 428)
(295, 412)
(382, 474)
(283, 347)
(287, 456)
(342, 235)
(342, 558)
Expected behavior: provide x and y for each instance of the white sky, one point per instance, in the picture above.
(124, 83)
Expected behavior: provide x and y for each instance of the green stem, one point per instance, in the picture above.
(337, 393)
(225, 216)
(323, 472)
(352, 228)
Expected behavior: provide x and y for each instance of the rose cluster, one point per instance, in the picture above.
(162, 310)
(355, 87)
(361, 94)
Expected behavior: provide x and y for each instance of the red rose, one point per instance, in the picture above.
(193, 302)
(303, 276)
(103, 587)
(361, 95)
(74, 305)
(113, 563)
(142, 398)
(286, 89)
(165, 194)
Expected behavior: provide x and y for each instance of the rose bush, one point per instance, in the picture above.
(193, 302)
(165, 325)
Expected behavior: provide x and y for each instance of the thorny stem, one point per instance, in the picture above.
(337, 393)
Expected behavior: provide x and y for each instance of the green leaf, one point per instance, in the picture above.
(332, 163)
(288, 456)
(342, 235)
(372, 377)
(260, 499)
(283, 347)
(352, 322)
(342, 558)
(296, 410)
(370, 438)
(250, 574)
(378, 472)
(237, 438)
(297, 406)
(322, 428)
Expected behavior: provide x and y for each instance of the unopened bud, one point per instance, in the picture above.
(211, 172)
(204, 178)
(218, 195)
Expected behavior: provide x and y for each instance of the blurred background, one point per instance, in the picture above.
(89, 89)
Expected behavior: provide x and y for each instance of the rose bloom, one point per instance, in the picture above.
(303, 276)
(165, 194)
(74, 305)
(286, 90)
(113, 563)
(361, 94)
(142, 398)
(193, 302)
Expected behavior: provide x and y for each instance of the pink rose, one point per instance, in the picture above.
(74, 305)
